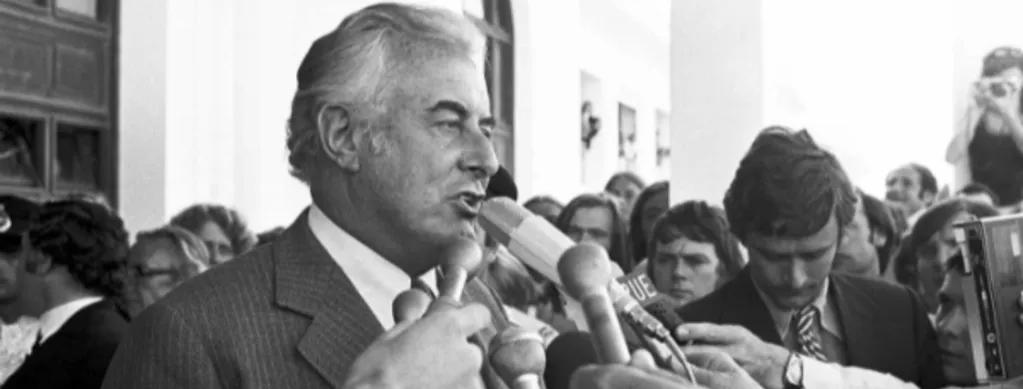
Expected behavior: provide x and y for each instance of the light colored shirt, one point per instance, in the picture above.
(376, 279)
(51, 320)
(831, 336)
(824, 375)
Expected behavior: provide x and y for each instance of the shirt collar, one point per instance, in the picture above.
(51, 320)
(378, 280)
(783, 317)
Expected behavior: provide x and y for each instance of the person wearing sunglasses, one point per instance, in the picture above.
(989, 148)
(162, 259)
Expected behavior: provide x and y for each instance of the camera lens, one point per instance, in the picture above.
(998, 90)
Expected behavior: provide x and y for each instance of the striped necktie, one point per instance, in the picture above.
(806, 332)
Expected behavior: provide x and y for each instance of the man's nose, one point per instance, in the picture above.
(680, 270)
(479, 156)
(797, 275)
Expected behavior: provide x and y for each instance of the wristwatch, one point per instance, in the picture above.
(793, 376)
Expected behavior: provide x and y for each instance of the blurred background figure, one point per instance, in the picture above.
(597, 218)
(162, 259)
(912, 187)
(870, 239)
(545, 206)
(920, 261)
(627, 186)
(222, 229)
(693, 252)
(651, 204)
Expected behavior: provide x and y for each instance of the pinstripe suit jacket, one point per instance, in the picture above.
(282, 316)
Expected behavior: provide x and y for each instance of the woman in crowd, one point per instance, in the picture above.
(545, 206)
(920, 260)
(597, 218)
(650, 205)
(222, 229)
(162, 259)
(627, 186)
(692, 251)
(989, 147)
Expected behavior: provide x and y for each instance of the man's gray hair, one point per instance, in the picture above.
(354, 67)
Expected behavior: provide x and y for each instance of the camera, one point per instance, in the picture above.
(992, 250)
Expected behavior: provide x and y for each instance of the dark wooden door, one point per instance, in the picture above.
(58, 97)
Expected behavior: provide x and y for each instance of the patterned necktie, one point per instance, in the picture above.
(809, 339)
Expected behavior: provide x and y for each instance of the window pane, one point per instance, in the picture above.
(36, 3)
(78, 157)
(627, 137)
(21, 141)
(663, 138)
(86, 8)
(474, 8)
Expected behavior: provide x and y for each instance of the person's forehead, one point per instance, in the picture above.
(685, 246)
(820, 240)
(457, 80)
(907, 172)
(591, 216)
(149, 249)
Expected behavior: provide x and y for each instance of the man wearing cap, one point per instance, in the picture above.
(390, 128)
(19, 311)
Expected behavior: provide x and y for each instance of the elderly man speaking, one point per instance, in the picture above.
(390, 128)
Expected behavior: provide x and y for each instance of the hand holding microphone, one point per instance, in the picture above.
(519, 358)
(586, 271)
(436, 348)
(721, 372)
(460, 259)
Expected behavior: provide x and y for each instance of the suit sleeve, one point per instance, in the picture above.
(928, 359)
(161, 351)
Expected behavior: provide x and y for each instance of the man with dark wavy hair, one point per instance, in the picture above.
(789, 203)
(77, 251)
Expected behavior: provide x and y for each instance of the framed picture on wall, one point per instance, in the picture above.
(663, 138)
(627, 137)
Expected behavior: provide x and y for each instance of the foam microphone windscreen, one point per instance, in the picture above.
(566, 354)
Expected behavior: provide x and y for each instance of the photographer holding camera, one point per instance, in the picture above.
(989, 147)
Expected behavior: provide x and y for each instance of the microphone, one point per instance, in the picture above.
(410, 305)
(518, 358)
(460, 259)
(639, 318)
(586, 271)
(529, 237)
(643, 291)
(566, 354)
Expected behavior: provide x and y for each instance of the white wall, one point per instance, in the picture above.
(878, 97)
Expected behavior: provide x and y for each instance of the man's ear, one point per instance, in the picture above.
(337, 135)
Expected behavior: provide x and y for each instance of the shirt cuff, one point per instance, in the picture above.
(823, 375)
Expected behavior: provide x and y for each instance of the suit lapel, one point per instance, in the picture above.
(309, 282)
(854, 309)
(743, 306)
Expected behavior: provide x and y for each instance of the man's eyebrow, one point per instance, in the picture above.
(450, 105)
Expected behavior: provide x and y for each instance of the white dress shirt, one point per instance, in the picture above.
(378, 281)
(51, 321)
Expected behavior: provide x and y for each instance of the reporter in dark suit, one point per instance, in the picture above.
(75, 259)
(390, 129)
(788, 203)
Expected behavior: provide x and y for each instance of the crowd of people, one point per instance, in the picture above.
(799, 280)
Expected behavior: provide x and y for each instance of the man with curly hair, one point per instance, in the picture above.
(76, 254)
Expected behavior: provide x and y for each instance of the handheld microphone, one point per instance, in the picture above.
(529, 237)
(518, 357)
(643, 291)
(460, 259)
(639, 318)
(410, 305)
(586, 271)
(566, 354)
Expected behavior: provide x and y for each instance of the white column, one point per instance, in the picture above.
(547, 101)
(876, 97)
(716, 93)
(142, 87)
